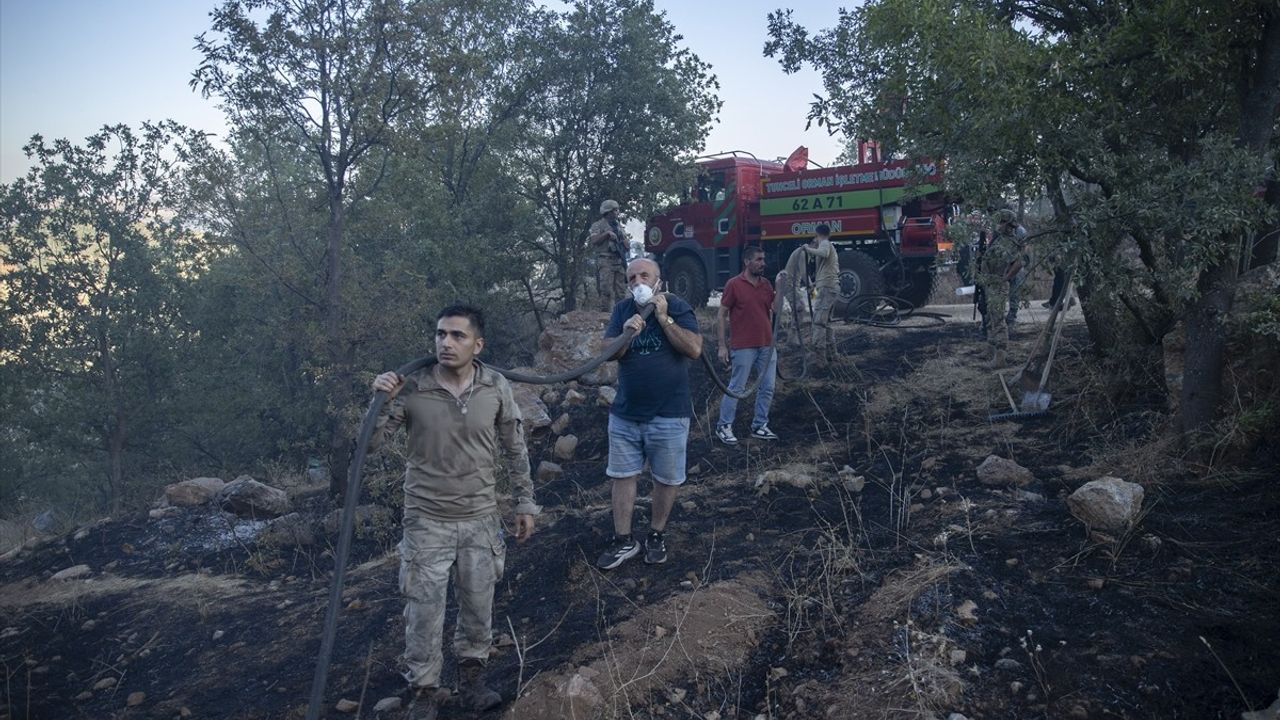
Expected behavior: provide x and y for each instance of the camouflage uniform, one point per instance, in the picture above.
(610, 259)
(451, 523)
(996, 259)
(827, 285)
(473, 553)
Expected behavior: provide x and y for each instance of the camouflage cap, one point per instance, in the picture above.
(608, 205)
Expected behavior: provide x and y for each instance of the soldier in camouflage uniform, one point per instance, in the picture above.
(1000, 262)
(460, 415)
(612, 247)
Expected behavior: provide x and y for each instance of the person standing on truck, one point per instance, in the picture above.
(611, 246)
(1001, 261)
(649, 419)
(826, 284)
(460, 415)
(745, 322)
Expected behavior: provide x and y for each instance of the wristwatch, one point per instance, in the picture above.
(671, 320)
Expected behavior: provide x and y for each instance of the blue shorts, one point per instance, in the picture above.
(662, 442)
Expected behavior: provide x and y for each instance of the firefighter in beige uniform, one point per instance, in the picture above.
(459, 415)
(826, 284)
(611, 247)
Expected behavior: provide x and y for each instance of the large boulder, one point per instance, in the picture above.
(570, 341)
(565, 446)
(292, 530)
(196, 491)
(249, 498)
(532, 409)
(1000, 472)
(1108, 504)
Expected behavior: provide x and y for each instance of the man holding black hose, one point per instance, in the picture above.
(460, 414)
(649, 419)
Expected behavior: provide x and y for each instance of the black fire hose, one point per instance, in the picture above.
(329, 634)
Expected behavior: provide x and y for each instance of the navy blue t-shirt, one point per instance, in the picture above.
(653, 378)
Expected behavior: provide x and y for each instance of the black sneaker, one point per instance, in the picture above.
(655, 549)
(764, 433)
(618, 552)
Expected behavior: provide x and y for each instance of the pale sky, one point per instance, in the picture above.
(68, 67)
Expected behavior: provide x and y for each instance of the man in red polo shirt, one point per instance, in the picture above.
(746, 318)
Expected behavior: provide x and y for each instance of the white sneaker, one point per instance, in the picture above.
(764, 433)
(724, 434)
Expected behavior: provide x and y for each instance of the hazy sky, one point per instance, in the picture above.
(68, 67)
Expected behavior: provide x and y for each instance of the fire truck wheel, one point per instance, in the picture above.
(859, 275)
(919, 288)
(686, 278)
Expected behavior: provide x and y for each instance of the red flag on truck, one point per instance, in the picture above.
(798, 160)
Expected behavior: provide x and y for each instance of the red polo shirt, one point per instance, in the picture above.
(749, 306)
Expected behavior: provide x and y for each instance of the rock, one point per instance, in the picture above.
(86, 695)
(135, 699)
(1008, 664)
(573, 397)
(550, 398)
(249, 498)
(956, 716)
(1078, 712)
(570, 341)
(548, 471)
(915, 508)
(1269, 713)
(851, 480)
(286, 531)
(676, 695)
(347, 706)
(367, 518)
(581, 693)
(565, 447)
(958, 657)
(533, 411)
(561, 424)
(46, 522)
(504, 640)
(217, 634)
(605, 395)
(1000, 472)
(104, 683)
(71, 573)
(797, 476)
(1029, 497)
(968, 612)
(196, 491)
(163, 512)
(387, 704)
(689, 506)
(659, 632)
(1096, 583)
(1108, 504)
(777, 673)
(926, 494)
(81, 534)
(1015, 687)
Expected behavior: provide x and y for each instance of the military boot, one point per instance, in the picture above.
(474, 692)
(425, 703)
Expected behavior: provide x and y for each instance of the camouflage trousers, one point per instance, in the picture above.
(472, 553)
(611, 283)
(823, 338)
(997, 295)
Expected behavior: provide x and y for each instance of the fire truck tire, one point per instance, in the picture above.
(687, 279)
(919, 288)
(859, 275)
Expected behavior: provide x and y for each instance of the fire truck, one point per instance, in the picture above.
(886, 219)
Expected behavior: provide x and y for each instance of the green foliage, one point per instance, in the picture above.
(1139, 122)
(95, 267)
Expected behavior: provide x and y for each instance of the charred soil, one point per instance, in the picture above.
(855, 568)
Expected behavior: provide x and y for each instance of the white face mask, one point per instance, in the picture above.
(642, 294)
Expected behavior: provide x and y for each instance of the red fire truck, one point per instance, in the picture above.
(886, 220)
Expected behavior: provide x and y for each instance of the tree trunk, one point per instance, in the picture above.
(340, 373)
(1206, 347)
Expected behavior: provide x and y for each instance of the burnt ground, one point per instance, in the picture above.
(922, 594)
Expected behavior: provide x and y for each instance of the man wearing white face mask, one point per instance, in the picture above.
(649, 419)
